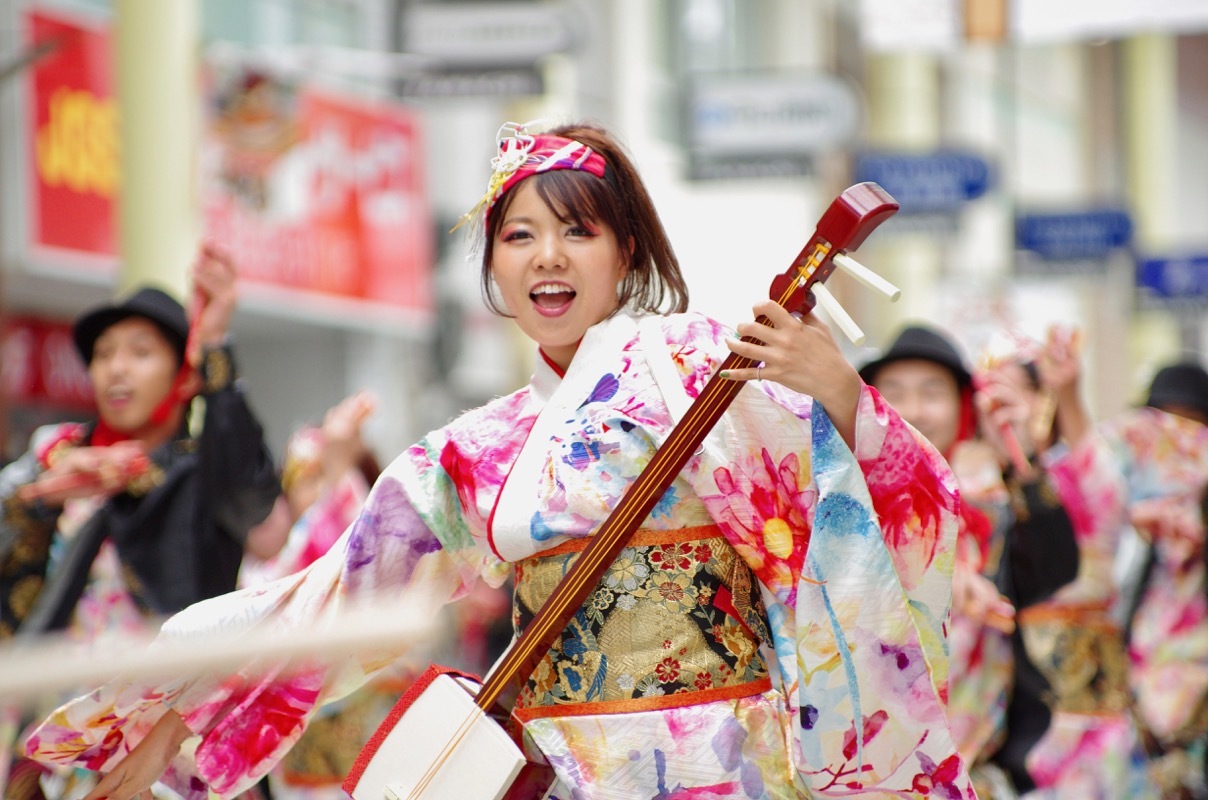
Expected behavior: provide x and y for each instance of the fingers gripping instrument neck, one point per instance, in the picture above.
(851, 217)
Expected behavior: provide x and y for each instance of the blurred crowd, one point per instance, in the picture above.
(1078, 635)
(112, 525)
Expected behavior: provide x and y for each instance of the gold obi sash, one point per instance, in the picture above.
(1080, 651)
(676, 620)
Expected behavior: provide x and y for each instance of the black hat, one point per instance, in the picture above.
(1183, 384)
(149, 303)
(921, 342)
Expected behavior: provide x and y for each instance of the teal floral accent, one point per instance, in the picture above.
(628, 572)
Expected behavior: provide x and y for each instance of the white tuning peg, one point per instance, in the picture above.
(836, 312)
(866, 276)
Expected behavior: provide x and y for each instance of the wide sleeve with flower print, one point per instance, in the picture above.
(855, 554)
(394, 550)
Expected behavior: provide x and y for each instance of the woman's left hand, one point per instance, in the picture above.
(801, 354)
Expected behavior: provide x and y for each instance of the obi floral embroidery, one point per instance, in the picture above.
(672, 616)
(1081, 653)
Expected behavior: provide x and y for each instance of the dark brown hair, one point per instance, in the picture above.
(621, 203)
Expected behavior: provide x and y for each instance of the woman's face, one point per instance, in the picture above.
(132, 369)
(927, 396)
(557, 278)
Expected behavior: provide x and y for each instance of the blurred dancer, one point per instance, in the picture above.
(112, 525)
(1068, 729)
(325, 477)
(1161, 452)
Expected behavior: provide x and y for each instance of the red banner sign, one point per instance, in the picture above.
(315, 191)
(305, 189)
(73, 138)
(40, 365)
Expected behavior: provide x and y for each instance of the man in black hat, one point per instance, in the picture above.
(1181, 389)
(168, 511)
(119, 522)
(923, 376)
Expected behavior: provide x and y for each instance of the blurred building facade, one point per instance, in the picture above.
(1050, 168)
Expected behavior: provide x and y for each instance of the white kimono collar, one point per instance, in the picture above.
(510, 529)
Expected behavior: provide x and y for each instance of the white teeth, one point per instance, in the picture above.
(550, 288)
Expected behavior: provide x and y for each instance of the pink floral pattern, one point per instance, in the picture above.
(853, 552)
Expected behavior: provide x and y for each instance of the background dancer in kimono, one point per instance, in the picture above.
(135, 515)
(1161, 453)
(775, 630)
(1069, 729)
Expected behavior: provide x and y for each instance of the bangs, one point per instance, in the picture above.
(578, 197)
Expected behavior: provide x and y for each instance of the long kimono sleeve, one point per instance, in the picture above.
(398, 548)
(1090, 487)
(854, 552)
(871, 611)
(914, 494)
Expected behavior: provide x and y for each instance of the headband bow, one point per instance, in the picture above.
(522, 154)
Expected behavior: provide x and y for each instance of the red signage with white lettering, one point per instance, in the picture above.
(316, 191)
(40, 365)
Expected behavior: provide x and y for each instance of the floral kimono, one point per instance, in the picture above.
(775, 630)
(1163, 461)
(1092, 747)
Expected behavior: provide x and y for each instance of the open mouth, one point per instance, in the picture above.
(116, 397)
(552, 296)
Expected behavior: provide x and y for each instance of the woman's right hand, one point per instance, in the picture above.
(1003, 406)
(134, 775)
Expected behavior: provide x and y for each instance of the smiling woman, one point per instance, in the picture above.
(774, 628)
(557, 278)
(560, 166)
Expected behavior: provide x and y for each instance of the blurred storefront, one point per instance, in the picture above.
(342, 139)
(316, 190)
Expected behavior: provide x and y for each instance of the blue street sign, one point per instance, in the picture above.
(1179, 279)
(941, 180)
(1073, 235)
